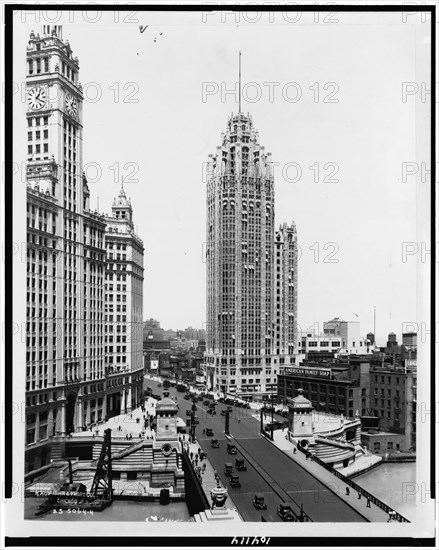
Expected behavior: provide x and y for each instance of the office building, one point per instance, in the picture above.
(245, 335)
(65, 357)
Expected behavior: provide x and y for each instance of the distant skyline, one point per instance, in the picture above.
(147, 121)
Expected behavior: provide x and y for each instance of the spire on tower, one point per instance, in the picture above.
(239, 81)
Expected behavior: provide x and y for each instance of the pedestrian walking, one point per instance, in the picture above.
(348, 492)
(359, 495)
(192, 455)
(294, 451)
(368, 502)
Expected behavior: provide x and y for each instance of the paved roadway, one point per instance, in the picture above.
(269, 470)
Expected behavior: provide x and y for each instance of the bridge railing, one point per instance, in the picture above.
(354, 485)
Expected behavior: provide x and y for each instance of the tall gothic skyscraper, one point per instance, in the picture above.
(250, 318)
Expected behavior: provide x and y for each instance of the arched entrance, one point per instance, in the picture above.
(70, 413)
(113, 404)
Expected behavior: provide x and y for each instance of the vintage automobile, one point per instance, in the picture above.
(223, 412)
(258, 502)
(234, 481)
(206, 402)
(285, 513)
(214, 444)
(228, 468)
(209, 432)
(211, 411)
(231, 449)
(240, 465)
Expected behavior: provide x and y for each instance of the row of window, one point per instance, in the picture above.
(38, 65)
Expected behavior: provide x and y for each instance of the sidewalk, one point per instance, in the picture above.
(372, 514)
(207, 478)
(124, 424)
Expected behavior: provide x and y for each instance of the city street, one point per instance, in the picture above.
(268, 463)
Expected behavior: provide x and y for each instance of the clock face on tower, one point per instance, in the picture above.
(71, 105)
(36, 98)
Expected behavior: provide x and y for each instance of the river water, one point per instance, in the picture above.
(386, 482)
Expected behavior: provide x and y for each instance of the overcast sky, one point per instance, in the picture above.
(150, 118)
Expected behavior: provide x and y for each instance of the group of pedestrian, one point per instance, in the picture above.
(348, 492)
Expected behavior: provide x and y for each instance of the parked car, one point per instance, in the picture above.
(240, 465)
(231, 449)
(234, 481)
(228, 468)
(259, 502)
(285, 513)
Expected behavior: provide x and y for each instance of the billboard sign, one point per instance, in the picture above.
(154, 364)
(309, 371)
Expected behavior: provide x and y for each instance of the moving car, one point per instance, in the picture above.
(209, 432)
(214, 444)
(240, 465)
(234, 481)
(259, 502)
(285, 513)
(231, 449)
(206, 402)
(228, 468)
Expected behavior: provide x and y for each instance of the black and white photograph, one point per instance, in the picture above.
(218, 278)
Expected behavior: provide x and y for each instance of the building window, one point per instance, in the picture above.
(376, 446)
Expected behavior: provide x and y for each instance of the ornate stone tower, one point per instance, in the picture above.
(66, 258)
(123, 309)
(167, 461)
(300, 423)
(240, 263)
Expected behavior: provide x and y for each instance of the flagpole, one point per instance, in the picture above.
(374, 327)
